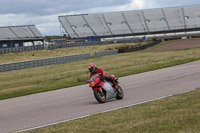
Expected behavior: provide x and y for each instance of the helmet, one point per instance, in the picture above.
(92, 67)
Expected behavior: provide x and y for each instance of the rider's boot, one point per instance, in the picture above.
(112, 80)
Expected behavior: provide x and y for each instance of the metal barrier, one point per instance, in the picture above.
(78, 44)
(106, 52)
(67, 59)
(21, 49)
(139, 47)
(64, 45)
(43, 62)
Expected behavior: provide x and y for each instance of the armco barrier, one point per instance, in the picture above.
(106, 52)
(140, 47)
(43, 62)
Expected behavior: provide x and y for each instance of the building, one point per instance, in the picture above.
(19, 36)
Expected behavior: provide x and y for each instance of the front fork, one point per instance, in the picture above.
(97, 88)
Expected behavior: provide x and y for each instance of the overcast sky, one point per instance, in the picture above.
(44, 13)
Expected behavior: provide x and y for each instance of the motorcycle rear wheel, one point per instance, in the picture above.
(100, 96)
(120, 94)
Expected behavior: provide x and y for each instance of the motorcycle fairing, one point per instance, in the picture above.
(110, 93)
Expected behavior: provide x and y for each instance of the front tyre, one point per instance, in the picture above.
(100, 96)
(120, 93)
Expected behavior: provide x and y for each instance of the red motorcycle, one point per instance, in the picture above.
(104, 90)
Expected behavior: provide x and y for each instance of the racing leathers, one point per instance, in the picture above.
(110, 78)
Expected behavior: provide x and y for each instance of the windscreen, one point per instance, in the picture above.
(94, 77)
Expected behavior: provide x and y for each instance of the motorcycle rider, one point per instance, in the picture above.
(94, 70)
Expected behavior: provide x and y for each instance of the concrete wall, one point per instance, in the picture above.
(43, 62)
(106, 52)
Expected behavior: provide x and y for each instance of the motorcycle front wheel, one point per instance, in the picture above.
(100, 96)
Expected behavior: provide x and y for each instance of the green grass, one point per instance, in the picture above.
(40, 79)
(175, 114)
(41, 54)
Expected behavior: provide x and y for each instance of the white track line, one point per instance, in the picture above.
(102, 112)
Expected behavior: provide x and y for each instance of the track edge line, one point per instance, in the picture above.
(130, 105)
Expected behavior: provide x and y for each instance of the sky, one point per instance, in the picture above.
(44, 13)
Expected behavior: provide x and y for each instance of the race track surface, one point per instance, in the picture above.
(49, 107)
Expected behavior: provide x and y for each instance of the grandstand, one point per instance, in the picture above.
(131, 23)
(17, 36)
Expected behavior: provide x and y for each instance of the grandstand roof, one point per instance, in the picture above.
(26, 32)
(138, 22)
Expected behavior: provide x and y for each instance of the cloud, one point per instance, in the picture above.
(44, 13)
(46, 7)
(130, 5)
(138, 3)
(47, 25)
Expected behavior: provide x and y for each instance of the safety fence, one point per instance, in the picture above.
(43, 62)
(106, 52)
(65, 45)
(78, 44)
(70, 58)
(145, 46)
(21, 49)
(125, 50)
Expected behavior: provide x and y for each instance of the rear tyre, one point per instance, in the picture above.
(100, 96)
(120, 93)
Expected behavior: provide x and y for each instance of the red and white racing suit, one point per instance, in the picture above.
(110, 78)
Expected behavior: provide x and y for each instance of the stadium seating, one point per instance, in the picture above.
(132, 22)
(116, 23)
(157, 21)
(97, 23)
(6, 33)
(136, 21)
(192, 16)
(17, 32)
(80, 26)
(67, 27)
(174, 17)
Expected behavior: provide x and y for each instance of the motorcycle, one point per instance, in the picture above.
(104, 90)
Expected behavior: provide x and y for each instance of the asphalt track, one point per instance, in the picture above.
(54, 106)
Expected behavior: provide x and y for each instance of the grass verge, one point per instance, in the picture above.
(175, 114)
(40, 79)
(41, 54)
